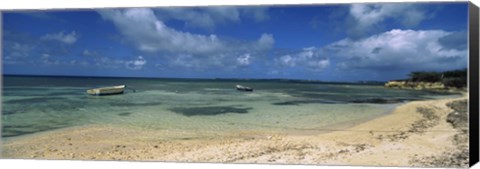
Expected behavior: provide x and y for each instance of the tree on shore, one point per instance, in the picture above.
(452, 78)
(455, 78)
(425, 76)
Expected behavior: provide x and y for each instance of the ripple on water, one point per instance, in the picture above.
(211, 110)
(298, 102)
(33, 100)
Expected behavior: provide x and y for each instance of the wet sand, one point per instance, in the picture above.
(414, 134)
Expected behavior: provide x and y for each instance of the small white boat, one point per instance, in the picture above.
(107, 90)
(244, 88)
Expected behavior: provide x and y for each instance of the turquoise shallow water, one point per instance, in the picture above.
(36, 104)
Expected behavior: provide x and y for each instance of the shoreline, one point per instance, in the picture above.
(394, 139)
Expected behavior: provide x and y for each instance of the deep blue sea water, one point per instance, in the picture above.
(36, 104)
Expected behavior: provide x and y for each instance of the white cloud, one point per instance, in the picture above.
(187, 61)
(257, 13)
(95, 58)
(399, 49)
(266, 41)
(319, 64)
(68, 38)
(206, 18)
(308, 58)
(149, 34)
(51, 62)
(368, 16)
(136, 64)
(209, 17)
(141, 26)
(287, 60)
(15, 52)
(108, 63)
(221, 61)
(45, 55)
(19, 50)
(76, 62)
(87, 52)
(244, 60)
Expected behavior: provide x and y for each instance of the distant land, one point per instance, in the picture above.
(211, 79)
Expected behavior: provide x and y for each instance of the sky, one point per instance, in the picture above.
(344, 42)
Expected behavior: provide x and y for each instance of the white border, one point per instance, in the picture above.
(88, 4)
(63, 164)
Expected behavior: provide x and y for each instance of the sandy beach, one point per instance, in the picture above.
(414, 134)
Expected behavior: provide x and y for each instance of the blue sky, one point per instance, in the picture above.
(350, 42)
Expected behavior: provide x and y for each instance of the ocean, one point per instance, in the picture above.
(209, 107)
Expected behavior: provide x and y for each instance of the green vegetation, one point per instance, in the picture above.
(453, 78)
(425, 76)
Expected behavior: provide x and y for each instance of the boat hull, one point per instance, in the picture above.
(243, 88)
(107, 90)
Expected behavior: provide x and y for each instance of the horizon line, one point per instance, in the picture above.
(215, 78)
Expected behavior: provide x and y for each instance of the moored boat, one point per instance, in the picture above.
(107, 90)
(244, 88)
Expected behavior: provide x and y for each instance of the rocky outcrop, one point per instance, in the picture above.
(459, 117)
(414, 85)
(459, 157)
